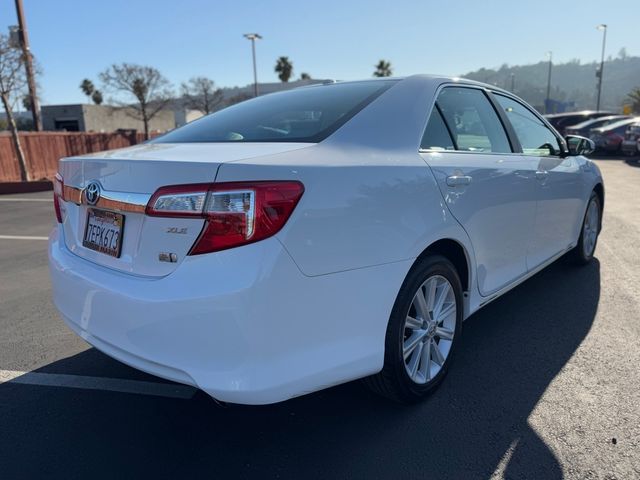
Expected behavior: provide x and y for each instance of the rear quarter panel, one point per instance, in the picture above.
(360, 207)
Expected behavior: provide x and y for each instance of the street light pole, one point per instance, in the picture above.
(513, 82)
(28, 65)
(253, 37)
(546, 102)
(599, 73)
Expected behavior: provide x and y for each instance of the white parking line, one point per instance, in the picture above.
(21, 237)
(121, 385)
(9, 199)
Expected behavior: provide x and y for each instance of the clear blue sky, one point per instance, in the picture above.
(74, 39)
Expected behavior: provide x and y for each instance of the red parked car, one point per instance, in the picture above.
(631, 143)
(609, 139)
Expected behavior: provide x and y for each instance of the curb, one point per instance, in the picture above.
(25, 187)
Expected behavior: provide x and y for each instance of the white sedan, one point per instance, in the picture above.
(307, 238)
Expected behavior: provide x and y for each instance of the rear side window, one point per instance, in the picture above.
(436, 135)
(535, 137)
(471, 120)
(307, 114)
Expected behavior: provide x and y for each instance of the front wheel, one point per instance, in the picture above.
(583, 252)
(423, 331)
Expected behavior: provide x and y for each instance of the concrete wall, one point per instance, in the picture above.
(103, 118)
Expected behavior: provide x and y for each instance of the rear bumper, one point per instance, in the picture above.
(630, 146)
(244, 324)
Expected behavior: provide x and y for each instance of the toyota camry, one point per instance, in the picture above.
(320, 235)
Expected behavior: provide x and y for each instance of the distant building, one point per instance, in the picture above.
(100, 118)
(183, 116)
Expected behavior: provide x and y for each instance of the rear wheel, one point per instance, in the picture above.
(423, 331)
(583, 252)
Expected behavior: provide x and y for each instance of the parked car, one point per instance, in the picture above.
(609, 139)
(631, 143)
(584, 128)
(319, 235)
(560, 121)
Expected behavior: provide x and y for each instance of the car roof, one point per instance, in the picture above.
(424, 77)
(590, 121)
(577, 114)
(613, 126)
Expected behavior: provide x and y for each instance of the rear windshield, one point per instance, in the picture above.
(308, 114)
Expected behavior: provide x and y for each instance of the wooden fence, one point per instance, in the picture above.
(43, 150)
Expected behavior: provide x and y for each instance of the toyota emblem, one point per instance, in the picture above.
(92, 193)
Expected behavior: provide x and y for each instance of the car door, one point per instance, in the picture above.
(488, 188)
(559, 189)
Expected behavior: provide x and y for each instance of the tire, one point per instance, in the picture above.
(582, 254)
(435, 338)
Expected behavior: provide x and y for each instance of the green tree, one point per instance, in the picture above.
(305, 76)
(634, 96)
(383, 69)
(26, 102)
(87, 87)
(284, 69)
(96, 96)
(146, 86)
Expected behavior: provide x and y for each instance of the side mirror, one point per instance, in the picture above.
(580, 145)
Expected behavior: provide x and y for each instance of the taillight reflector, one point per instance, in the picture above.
(58, 188)
(236, 213)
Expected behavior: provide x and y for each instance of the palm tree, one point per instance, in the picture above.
(383, 69)
(635, 100)
(284, 69)
(96, 96)
(87, 87)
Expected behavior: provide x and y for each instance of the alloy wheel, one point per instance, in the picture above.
(590, 228)
(429, 329)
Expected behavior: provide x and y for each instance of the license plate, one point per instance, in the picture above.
(103, 232)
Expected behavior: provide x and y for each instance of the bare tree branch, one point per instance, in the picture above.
(199, 93)
(12, 87)
(142, 90)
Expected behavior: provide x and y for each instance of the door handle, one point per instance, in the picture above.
(458, 180)
(542, 175)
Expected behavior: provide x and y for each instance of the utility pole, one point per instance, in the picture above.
(513, 82)
(253, 37)
(546, 102)
(28, 65)
(600, 71)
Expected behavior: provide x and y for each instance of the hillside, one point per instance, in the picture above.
(570, 82)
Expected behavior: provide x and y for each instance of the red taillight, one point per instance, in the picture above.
(236, 213)
(58, 188)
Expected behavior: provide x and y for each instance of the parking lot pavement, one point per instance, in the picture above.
(545, 385)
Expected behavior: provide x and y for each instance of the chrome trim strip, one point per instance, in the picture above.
(109, 200)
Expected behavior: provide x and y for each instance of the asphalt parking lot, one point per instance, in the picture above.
(545, 386)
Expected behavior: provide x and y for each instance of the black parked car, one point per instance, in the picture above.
(561, 121)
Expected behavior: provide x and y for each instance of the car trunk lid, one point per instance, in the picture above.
(126, 179)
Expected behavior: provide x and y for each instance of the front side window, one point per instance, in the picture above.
(471, 120)
(535, 137)
(308, 114)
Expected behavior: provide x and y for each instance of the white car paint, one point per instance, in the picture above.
(307, 308)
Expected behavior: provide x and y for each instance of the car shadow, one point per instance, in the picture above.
(476, 422)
